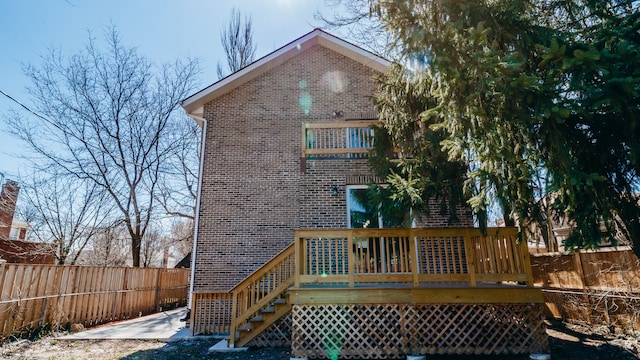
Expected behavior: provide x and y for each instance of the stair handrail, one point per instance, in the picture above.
(243, 309)
(283, 253)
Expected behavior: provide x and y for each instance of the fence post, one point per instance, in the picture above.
(2, 263)
(579, 266)
(158, 289)
(577, 259)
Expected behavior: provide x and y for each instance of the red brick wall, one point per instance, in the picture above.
(8, 198)
(21, 252)
(254, 192)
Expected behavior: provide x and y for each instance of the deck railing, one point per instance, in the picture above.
(345, 138)
(224, 311)
(211, 312)
(461, 256)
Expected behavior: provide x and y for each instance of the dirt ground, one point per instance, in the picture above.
(568, 341)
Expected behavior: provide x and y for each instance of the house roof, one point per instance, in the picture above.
(194, 104)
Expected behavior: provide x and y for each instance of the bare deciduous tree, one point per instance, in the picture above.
(355, 20)
(109, 247)
(64, 212)
(182, 238)
(153, 248)
(237, 42)
(106, 115)
(179, 174)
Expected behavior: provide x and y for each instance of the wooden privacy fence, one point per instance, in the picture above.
(596, 287)
(52, 296)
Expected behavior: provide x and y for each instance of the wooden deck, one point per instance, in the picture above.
(433, 280)
(462, 256)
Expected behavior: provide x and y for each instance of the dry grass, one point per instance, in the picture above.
(568, 341)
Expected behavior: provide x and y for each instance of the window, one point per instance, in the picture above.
(374, 254)
(362, 210)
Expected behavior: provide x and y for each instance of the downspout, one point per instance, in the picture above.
(203, 144)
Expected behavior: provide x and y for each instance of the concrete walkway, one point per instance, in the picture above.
(164, 326)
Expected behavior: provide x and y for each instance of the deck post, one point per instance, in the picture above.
(303, 155)
(351, 260)
(297, 258)
(469, 248)
(194, 313)
(234, 317)
(527, 262)
(413, 254)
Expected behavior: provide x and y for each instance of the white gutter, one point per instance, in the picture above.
(203, 144)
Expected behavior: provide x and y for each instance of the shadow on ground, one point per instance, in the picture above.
(566, 344)
(199, 349)
(569, 344)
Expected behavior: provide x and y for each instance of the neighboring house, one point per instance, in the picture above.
(561, 228)
(18, 230)
(285, 142)
(13, 233)
(185, 263)
(8, 199)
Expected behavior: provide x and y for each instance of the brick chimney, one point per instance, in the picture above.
(8, 198)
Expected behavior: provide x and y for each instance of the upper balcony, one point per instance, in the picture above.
(344, 139)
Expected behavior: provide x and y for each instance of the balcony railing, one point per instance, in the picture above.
(337, 139)
(416, 257)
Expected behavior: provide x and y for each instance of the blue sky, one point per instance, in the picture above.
(162, 30)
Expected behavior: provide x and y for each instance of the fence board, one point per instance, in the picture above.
(605, 270)
(601, 287)
(35, 296)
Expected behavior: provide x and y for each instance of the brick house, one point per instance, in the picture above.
(284, 148)
(257, 184)
(13, 245)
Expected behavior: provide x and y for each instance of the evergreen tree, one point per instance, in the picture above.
(539, 98)
(423, 172)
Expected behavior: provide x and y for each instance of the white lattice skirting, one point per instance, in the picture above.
(392, 331)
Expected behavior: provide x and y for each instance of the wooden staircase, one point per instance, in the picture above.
(261, 299)
(261, 322)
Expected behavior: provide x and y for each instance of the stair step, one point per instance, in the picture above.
(257, 318)
(268, 310)
(245, 327)
(280, 301)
